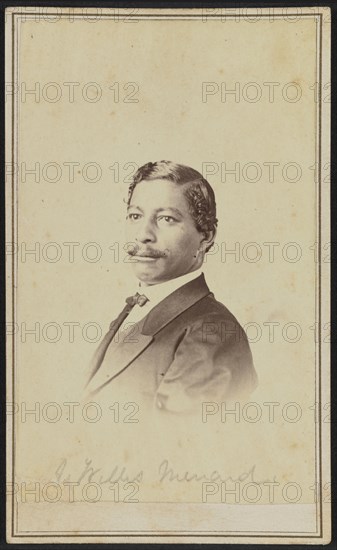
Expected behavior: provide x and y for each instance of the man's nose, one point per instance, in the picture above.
(145, 232)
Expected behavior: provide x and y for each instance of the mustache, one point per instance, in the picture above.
(147, 253)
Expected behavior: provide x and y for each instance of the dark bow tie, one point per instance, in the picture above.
(137, 298)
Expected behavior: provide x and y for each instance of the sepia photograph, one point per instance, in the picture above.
(167, 181)
(190, 348)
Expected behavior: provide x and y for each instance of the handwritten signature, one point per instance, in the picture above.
(91, 474)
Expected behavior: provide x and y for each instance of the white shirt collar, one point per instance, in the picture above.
(157, 293)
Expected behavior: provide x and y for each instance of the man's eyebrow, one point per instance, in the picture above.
(162, 209)
(134, 206)
(175, 210)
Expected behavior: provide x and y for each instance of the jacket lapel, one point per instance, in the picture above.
(173, 305)
(121, 354)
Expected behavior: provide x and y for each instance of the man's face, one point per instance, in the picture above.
(161, 233)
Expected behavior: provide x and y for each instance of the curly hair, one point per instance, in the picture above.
(198, 192)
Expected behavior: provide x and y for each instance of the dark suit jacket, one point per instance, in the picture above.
(189, 349)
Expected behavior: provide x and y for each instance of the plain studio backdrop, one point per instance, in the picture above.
(218, 96)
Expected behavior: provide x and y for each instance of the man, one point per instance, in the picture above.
(173, 346)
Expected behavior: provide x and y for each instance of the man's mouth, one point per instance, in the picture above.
(147, 255)
(143, 258)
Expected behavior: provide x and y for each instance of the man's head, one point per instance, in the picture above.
(171, 221)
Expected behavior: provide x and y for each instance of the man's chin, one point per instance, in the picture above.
(146, 273)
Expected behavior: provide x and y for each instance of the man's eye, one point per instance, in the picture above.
(167, 219)
(133, 217)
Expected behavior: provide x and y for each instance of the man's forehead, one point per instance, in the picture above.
(158, 190)
(160, 182)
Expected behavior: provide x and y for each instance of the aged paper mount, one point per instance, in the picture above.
(242, 96)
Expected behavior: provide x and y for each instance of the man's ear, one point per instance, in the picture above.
(207, 240)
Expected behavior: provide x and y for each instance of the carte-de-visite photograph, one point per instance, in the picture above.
(167, 262)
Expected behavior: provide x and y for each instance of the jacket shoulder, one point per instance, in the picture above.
(210, 309)
(212, 322)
